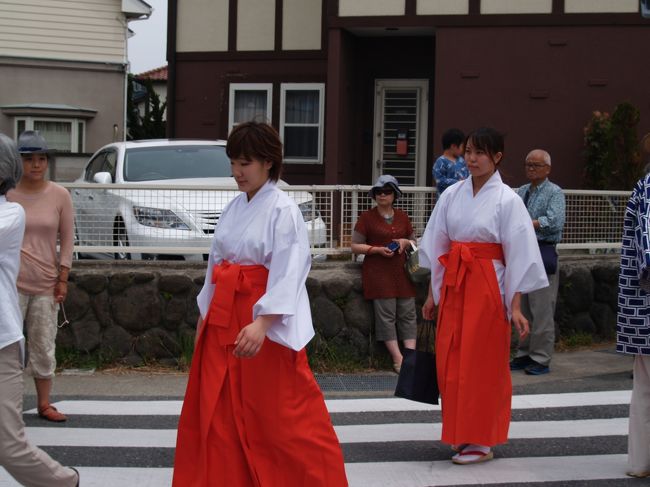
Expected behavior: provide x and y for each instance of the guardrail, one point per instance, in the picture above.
(177, 222)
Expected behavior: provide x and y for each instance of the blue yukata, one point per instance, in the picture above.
(633, 322)
(447, 172)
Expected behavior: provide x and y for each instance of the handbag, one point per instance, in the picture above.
(412, 266)
(417, 379)
(549, 257)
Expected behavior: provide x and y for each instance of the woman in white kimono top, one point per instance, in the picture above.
(480, 246)
(253, 414)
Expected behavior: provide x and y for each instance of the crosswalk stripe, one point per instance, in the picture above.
(360, 433)
(111, 477)
(530, 401)
(502, 470)
(403, 474)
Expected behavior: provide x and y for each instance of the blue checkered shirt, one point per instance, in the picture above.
(545, 204)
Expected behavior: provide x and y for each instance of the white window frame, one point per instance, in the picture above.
(74, 129)
(320, 87)
(235, 87)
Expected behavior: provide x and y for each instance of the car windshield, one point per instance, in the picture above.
(176, 162)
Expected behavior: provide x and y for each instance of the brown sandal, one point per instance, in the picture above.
(52, 414)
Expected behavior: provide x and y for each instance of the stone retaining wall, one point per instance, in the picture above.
(134, 312)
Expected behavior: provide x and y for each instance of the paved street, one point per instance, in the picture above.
(569, 428)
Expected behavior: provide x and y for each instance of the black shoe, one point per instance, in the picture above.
(537, 369)
(520, 363)
(78, 476)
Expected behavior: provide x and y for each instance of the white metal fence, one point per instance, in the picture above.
(177, 222)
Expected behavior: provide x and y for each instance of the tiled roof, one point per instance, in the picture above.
(157, 74)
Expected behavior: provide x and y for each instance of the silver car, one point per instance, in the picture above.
(193, 184)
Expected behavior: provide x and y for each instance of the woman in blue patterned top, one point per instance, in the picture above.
(633, 322)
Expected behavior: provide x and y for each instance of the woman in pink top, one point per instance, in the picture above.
(43, 278)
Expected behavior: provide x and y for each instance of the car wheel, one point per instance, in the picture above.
(121, 240)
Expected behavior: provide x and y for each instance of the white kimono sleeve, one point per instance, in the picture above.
(286, 293)
(524, 268)
(207, 291)
(435, 242)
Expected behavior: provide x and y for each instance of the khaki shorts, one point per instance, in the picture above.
(40, 314)
(393, 317)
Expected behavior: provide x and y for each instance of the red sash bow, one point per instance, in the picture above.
(229, 280)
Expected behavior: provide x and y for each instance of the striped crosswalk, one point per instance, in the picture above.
(389, 442)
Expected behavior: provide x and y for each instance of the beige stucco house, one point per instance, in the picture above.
(63, 71)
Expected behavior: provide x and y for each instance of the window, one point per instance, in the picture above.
(63, 135)
(301, 122)
(249, 101)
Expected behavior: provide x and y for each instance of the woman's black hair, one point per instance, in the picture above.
(487, 139)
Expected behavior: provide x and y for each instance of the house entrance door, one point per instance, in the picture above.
(400, 129)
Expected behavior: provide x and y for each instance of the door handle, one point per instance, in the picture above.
(379, 163)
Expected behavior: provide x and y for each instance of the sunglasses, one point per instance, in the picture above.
(384, 191)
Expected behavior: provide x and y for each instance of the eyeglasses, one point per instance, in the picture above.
(384, 191)
(530, 165)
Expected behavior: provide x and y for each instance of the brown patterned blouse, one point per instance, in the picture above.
(384, 277)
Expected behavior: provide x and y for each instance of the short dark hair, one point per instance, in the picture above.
(256, 140)
(487, 139)
(452, 137)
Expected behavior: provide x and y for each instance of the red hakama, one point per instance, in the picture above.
(252, 422)
(473, 347)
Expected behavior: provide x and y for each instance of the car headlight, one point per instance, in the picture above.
(159, 218)
(308, 213)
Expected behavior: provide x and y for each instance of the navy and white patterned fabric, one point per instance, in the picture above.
(633, 321)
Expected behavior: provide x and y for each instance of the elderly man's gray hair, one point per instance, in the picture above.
(546, 157)
(11, 165)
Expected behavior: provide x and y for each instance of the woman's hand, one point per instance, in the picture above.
(404, 244)
(383, 251)
(428, 309)
(251, 337)
(60, 291)
(519, 321)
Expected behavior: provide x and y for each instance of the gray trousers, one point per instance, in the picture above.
(29, 465)
(539, 309)
(638, 440)
(391, 313)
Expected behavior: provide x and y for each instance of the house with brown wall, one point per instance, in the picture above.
(343, 79)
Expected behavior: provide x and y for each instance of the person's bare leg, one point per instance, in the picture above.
(396, 355)
(410, 343)
(43, 390)
(45, 410)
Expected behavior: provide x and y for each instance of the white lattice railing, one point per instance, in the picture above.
(176, 222)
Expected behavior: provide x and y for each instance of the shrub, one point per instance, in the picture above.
(612, 158)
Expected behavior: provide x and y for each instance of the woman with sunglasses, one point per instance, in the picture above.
(481, 248)
(382, 234)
